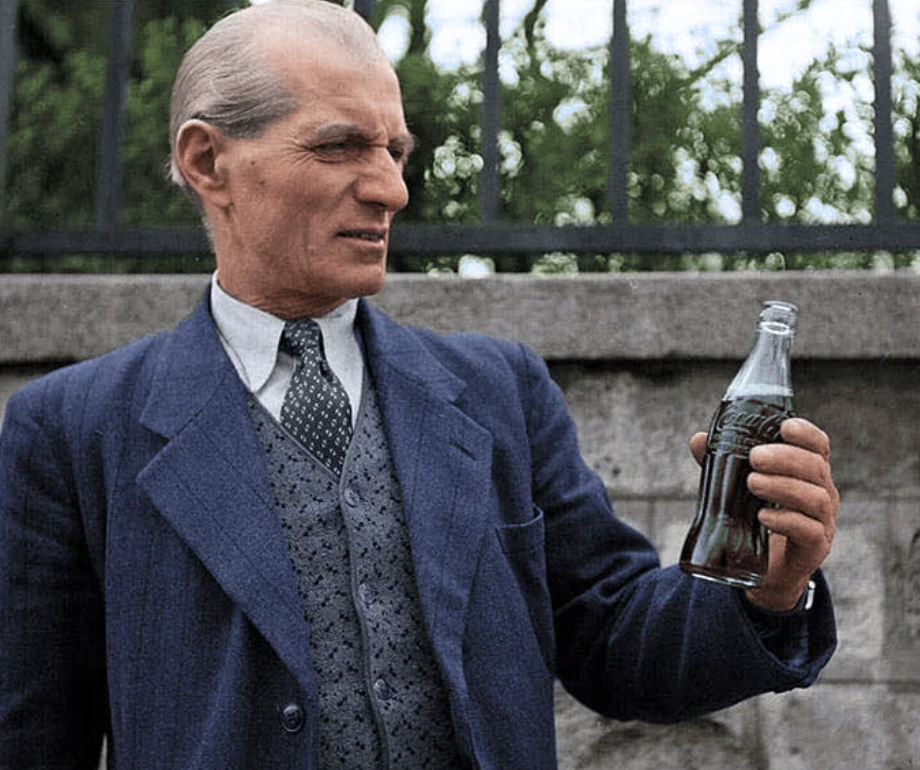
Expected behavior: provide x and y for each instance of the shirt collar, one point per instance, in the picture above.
(251, 336)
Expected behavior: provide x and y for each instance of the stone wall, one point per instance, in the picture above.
(643, 360)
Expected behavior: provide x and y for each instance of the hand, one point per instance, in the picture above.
(796, 477)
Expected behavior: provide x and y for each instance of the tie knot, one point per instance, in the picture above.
(302, 338)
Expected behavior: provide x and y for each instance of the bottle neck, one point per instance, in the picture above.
(767, 370)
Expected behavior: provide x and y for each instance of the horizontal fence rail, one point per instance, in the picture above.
(489, 235)
(500, 238)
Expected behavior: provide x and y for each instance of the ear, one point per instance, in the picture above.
(198, 147)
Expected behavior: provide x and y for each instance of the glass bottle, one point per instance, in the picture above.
(726, 542)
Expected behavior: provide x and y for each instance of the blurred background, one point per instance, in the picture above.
(556, 136)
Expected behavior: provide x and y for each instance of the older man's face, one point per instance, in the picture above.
(313, 198)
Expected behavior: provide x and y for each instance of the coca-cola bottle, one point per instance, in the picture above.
(726, 542)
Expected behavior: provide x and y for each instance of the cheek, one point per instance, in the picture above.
(289, 221)
(309, 230)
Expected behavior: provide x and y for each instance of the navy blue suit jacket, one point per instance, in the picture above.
(146, 592)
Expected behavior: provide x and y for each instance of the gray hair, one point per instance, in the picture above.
(226, 79)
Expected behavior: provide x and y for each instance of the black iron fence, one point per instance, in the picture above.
(490, 235)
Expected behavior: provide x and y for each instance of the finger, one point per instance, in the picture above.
(800, 432)
(789, 460)
(794, 462)
(698, 446)
(788, 575)
(813, 500)
(806, 541)
(795, 526)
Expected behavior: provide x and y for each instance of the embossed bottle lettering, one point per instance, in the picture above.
(727, 543)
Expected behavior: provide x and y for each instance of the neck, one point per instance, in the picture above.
(287, 304)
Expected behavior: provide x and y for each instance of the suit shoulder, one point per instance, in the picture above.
(116, 375)
(115, 364)
(107, 380)
(472, 356)
(478, 351)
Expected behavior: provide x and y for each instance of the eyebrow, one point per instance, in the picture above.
(330, 131)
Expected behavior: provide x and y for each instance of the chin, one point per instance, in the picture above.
(366, 289)
(368, 282)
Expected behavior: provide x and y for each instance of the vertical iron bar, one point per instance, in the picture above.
(366, 8)
(491, 112)
(750, 125)
(7, 74)
(884, 135)
(111, 132)
(618, 164)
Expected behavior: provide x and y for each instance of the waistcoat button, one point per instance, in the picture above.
(292, 718)
(382, 689)
(352, 498)
(366, 594)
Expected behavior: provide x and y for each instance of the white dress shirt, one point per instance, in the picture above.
(251, 338)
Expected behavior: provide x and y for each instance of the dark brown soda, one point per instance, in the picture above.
(727, 542)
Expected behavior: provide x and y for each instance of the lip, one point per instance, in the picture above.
(375, 236)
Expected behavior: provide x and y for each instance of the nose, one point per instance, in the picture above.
(381, 182)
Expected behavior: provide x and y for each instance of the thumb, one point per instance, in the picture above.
(698, 446)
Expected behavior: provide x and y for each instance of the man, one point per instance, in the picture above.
(188, 570)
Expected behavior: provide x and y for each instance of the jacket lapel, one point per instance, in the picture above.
(210, 482)
(443, 462)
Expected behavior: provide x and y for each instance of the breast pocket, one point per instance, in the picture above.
(523, 538)
(523, 546)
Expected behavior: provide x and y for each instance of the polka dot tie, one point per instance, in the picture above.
(315, 410)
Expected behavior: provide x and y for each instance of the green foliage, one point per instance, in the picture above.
(814, 171)
(554, 143)
(50, 148)
(50, 153)
(442, 110)
(669, 132)
(907, 132)
(149, 198)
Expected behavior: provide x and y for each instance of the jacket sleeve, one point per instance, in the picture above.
(52, 683)
(635, 640)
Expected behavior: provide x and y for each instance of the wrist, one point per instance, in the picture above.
(783, 601)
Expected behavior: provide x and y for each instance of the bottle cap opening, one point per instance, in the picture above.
(778, 316)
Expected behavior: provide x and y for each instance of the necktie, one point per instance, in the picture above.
(315, 409)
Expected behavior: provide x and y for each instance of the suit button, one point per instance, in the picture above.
(292, 718)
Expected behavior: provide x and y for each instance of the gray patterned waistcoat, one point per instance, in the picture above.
(381, 698)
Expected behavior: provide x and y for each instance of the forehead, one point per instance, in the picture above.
(334, 84)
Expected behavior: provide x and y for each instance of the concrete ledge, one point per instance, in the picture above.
(57, 318)
(640, 316)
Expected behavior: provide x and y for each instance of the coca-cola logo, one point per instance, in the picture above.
(741, 425)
